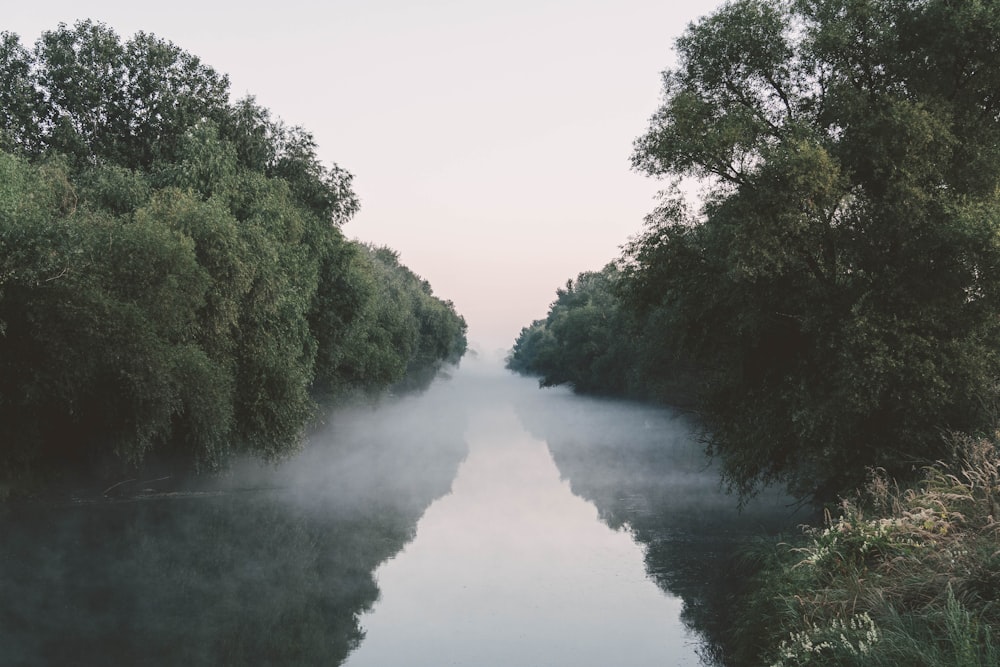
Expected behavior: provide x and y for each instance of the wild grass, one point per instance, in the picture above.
(894, 577)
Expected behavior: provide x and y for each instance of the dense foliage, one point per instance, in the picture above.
(573, 344)
(591, 341)
(172, 272)
(838, 289)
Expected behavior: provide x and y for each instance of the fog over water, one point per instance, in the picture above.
(484, 521)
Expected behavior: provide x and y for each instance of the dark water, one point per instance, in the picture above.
(484, 522)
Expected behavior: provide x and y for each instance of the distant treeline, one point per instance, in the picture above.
(173, 277)
(592, 341)
(834, 303)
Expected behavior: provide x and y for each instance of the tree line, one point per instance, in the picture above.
(831, 305)
(173, 274)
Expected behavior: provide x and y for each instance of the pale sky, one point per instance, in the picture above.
(489, 141)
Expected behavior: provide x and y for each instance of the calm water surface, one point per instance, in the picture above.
(484, 522)
(512, 568)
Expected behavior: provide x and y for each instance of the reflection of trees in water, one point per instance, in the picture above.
(193, 581)
(643, 470)
(265, 577)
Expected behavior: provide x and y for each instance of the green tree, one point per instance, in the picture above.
(403, 333)
(85, 93)
(173, 276)
(97, 349)
(839, 286)
(587, 340)
(20, 101)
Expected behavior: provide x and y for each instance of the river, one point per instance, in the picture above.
(482, 522)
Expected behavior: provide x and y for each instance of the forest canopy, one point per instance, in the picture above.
(173, 276)
(837, 291)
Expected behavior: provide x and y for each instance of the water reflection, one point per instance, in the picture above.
(484, 522)
(511, 568)
(269, 567)
(642, 468)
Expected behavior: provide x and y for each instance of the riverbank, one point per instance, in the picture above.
(895, 577)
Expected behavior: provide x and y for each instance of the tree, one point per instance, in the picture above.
(839, 286)
(173, 276)
(403, 333)
(97, 349)
(20, 101)
(586, 341)
(84, 93)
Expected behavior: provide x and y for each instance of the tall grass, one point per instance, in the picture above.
(895, 577)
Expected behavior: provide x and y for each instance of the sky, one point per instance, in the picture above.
(490, 141)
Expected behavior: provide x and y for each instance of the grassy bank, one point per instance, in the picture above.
(895, 577)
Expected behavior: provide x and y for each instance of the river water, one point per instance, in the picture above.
(482, 522)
